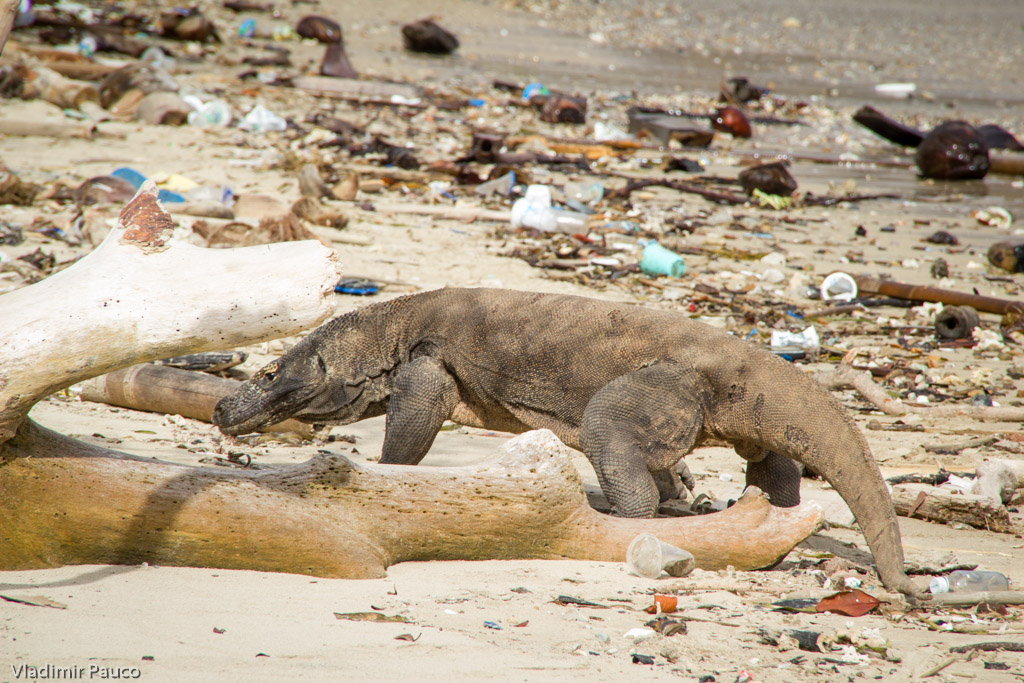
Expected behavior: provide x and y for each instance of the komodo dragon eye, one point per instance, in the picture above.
(270, 376)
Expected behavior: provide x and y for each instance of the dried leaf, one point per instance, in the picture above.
(372, 616)
(521, 624)
(35, 601)
(853, 603)
(663, 604)
(409, 637)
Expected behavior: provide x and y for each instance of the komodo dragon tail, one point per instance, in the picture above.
(766, 403)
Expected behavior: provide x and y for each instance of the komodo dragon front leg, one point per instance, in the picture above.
(422, 398)
(635, 428)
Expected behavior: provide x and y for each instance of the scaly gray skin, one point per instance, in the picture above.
(634, 389)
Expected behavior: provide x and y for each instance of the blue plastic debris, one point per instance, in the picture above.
(356, 286)
(492, 624)
(136, 179)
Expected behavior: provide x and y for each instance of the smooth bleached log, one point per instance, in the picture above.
(142, 295)
(331, 517)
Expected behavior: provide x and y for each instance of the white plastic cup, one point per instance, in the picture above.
(838, 286)
(649, 557)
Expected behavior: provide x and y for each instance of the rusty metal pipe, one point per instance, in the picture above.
(867, 284)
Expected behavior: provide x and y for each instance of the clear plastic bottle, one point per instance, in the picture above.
(969, 582)
(535, 211)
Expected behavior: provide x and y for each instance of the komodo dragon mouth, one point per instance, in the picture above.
(269, 397)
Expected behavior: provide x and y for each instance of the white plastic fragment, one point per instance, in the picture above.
(807, 339)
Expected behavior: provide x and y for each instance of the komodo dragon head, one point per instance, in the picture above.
(332, 376)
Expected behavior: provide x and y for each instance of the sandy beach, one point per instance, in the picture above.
(749, 270)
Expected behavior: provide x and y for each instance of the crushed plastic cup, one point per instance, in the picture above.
(262, 120)
(158, 58)
(207, 193)
(657, 260)
(586, 192)
(212, 113)
(649, 557)
(606, 132)
(838, 287)
(807, 339)
(500, 185)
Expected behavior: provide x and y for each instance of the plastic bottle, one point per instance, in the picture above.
(969, 582)
(548, 219)
(535, 211)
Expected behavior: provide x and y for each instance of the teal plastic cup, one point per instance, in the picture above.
(657, 260)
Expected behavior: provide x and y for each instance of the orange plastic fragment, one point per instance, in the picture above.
(663, 604)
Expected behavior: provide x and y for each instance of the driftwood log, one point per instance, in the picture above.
(331, 517)
(943, 505)
(142, 295)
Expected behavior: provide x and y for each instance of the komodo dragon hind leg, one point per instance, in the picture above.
(635, 429)
(778, 476)
(422, 398)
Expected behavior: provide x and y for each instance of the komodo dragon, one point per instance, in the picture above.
(635, 389)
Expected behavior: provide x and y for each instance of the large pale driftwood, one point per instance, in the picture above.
(142, 295)
(136, 299)
(943, 505)
(331, 517)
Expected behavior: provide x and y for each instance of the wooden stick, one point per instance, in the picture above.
(943, 505)
(331, 87)
(48, 129)
(467, 213)
(44, 83)
(990, 647)
(331, 517)
(980, 598)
